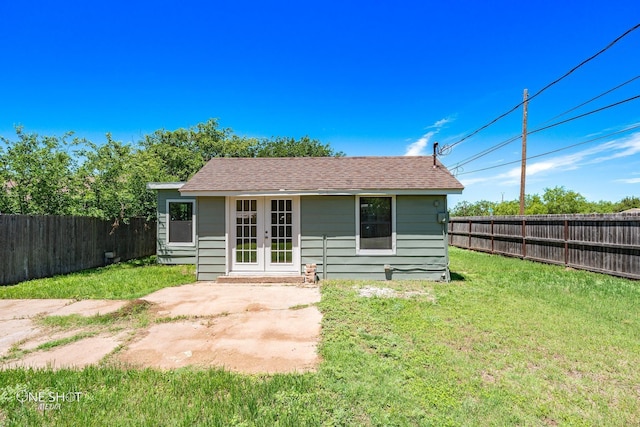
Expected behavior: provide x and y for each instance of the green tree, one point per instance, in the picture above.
(534, 205)
(480, 208)
(508, 207)
(627, 203)
(559, 200)
(37, 174)
(184, 151)
(144, 168)
(290, 147)
(5, 185)
(49, 175)
(104, 181)
(602, 206)
(555, 200)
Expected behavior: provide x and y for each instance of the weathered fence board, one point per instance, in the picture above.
(34, 246)
(603, 243)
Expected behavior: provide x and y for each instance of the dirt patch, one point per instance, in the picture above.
(130, 308)
(256, 307)
(373, 291)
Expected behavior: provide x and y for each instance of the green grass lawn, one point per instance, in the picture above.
(508, 342)
(127, 280)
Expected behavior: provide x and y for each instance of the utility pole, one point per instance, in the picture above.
(523, 170)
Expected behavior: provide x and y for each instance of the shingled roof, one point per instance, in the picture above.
(322, 175)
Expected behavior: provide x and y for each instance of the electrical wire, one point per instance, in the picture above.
(515, 138)
(592, 99)
(553, 151)
(446, 149)
(635, 27)
(485, 152)
(584, 114)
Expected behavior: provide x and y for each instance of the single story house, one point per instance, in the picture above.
(353, 217)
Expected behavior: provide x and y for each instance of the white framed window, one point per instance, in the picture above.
(181, 220)
(375, 225)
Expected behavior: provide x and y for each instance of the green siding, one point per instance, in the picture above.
(211, 261)
(421, 247)
(168, 254)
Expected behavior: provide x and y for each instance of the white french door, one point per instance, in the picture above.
(264, 235)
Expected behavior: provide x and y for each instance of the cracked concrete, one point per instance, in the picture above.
(248, 328)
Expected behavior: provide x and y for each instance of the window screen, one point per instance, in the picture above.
(375, 223)
(180, 222)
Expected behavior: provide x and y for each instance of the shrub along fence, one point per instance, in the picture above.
(34, 246)
(607, 243)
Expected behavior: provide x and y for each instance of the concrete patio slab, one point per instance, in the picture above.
(26, 308)
(241, 327)
(211, 299)
(251, 342)
(13, 331)
(90, 307)
(88, 351)
(39, 337)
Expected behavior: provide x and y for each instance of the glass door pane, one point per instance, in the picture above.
(246, 231)
(281, 231)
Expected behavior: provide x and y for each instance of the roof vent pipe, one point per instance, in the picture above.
(435, 152)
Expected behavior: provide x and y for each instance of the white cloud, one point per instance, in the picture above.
(418, 147)
(540, 170)
(440, 123)
(513, 175)
(620, 148)
(470, 181)
(615, 149)
(629, 180)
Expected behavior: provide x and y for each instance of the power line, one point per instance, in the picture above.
(635, 27)
(485, 152)
(515, 138)
(584, 114)
(592, 99)
(512, 139)
(553, 151)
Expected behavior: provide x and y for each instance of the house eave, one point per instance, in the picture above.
(350, 192)
(165, 185)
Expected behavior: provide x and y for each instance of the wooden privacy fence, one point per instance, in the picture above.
(607, 244)
(34, 246)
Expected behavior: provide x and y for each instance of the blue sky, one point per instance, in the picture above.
(368, 77)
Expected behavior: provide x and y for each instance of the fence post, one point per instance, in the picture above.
(566, 242)
(469, 245)
(492, 236)
(524, 238)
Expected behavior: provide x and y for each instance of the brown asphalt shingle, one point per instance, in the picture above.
(321, 174)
